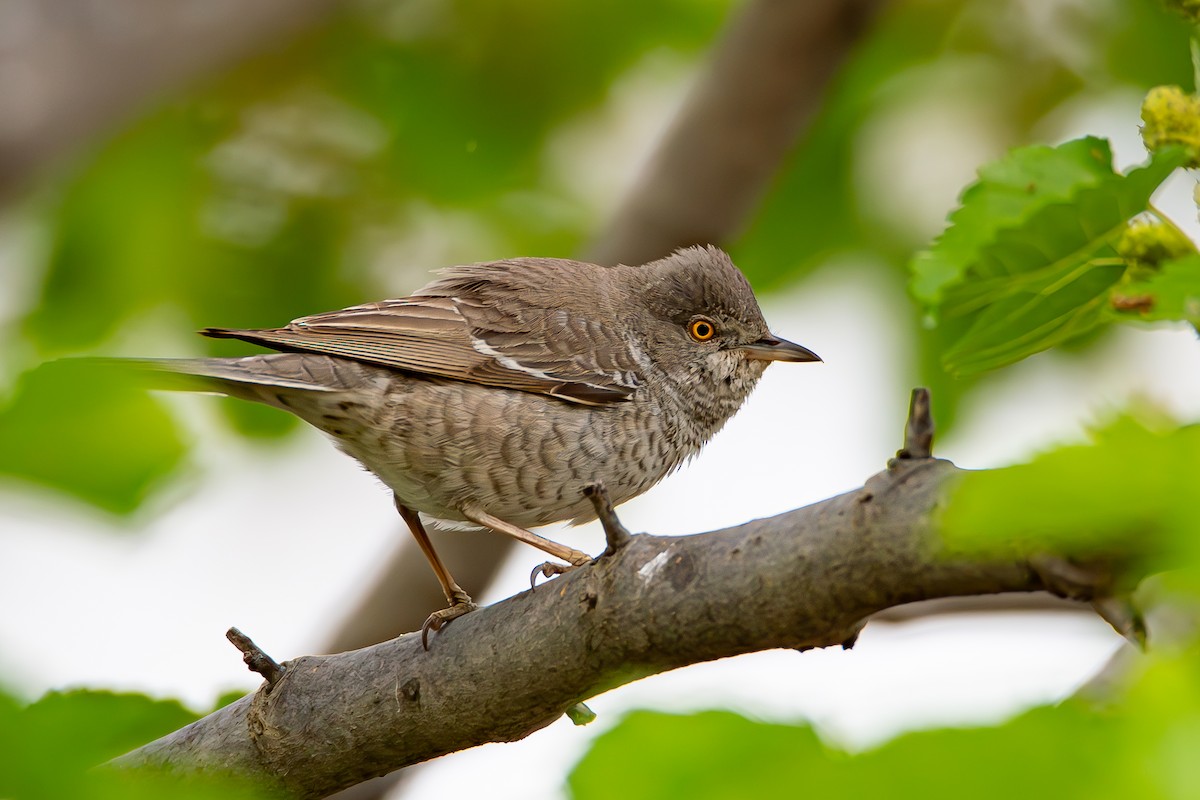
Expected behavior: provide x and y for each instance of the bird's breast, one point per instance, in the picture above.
(523, 457)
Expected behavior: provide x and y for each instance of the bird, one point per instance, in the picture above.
(492, 396)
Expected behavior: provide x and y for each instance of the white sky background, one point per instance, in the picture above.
(308, 528)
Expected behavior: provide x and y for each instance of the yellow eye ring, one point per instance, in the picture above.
(702, 330)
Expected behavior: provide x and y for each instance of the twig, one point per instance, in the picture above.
(257, 660)
(918, 431)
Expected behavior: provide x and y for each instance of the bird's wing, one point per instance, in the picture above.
(469, 338)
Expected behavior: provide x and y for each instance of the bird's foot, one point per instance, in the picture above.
(459, 604)
(549, 569)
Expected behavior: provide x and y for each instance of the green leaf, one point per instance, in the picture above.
(1061, 753)
(1007, 193)
(1046, 281)
(51, 748)
(1171, 294)
(1141, 743)
(89, 432)
(1132, 481)
(707, 755)
(92, 726)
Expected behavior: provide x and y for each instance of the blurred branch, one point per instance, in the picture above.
(764, 84)
(71, 70)
(807, 578)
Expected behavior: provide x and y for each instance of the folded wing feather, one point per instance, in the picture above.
(468, 338)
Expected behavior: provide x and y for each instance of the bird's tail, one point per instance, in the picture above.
(257, 378)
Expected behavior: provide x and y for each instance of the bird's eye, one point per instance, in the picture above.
(702, 329)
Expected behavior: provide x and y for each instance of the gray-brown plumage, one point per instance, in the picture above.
(496, 393)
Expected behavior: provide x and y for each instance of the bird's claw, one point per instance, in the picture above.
(438, 619)
(549, 569)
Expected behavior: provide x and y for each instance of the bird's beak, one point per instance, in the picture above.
(772, 348)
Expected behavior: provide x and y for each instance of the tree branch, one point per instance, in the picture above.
(806, 578)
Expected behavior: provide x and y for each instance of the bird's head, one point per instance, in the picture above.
(705, 329)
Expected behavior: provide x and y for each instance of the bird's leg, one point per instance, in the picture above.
(574, 558)
(459, 600)
(616, 534)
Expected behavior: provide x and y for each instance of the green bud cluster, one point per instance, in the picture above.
(1146, 244)
(1172, 118)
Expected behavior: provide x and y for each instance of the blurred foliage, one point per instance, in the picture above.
(1143, 746)
(111, 450)
(1138, 477)
(51, 749)
(342, 166)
